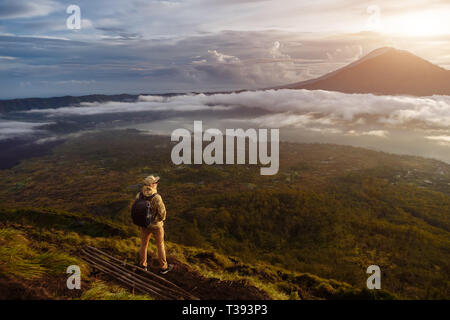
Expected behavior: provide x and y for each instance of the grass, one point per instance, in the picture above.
(16, 259)
(31, 252)
(101, 291)
(19, 258)
(278, 283)
(45, 262)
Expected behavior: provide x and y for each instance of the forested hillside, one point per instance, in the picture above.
(331, 212)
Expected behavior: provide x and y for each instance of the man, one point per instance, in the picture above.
(156, 227)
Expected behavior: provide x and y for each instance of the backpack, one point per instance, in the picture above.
(141, 212)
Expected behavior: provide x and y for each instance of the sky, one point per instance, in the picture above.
(138, 46)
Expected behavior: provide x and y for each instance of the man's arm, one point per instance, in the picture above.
(160, 207)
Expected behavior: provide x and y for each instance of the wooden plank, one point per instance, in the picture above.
(124, 280)
(147, 273)
(142, 280)
(134, 277)
(147, 280)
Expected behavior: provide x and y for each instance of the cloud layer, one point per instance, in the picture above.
(12, 129)
(296, 108)
(350, 109)
(399, 124)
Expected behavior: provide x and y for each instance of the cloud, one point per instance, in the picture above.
(119, 59)
(432, 111)
(276, 53)
(7, 58)
(11, 129)
(366, 108)
(53, 138)
(294, 108)
(398, 124)
(144, 103)
(376, 133)
(270, 67)
(13, 9)
(289, 119)
(215, 56)
(441, 140)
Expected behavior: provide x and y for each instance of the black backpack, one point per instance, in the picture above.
(141, 212)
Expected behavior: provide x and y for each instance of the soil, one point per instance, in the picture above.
(211, 288)
(208, 288)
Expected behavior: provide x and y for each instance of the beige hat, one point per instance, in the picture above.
(150, 179)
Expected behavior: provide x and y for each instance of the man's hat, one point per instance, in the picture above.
(150, 180)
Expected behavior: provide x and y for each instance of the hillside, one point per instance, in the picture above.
(38, 245)
(384, 71)
(329, 213)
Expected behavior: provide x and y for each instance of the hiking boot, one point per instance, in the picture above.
(142, 267)
(166, 270)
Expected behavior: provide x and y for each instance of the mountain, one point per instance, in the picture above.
(385, 71)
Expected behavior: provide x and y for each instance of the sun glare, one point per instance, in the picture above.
(428, 23)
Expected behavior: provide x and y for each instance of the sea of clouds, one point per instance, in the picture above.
(292, 108)
(322, 116)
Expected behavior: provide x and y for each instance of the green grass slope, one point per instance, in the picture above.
(34, 258)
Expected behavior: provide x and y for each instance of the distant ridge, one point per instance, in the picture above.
(58, 102)
(384, 71)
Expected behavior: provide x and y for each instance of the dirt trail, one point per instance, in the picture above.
(211, 288)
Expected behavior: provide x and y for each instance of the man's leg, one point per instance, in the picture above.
(159, 237)
(145, 237)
